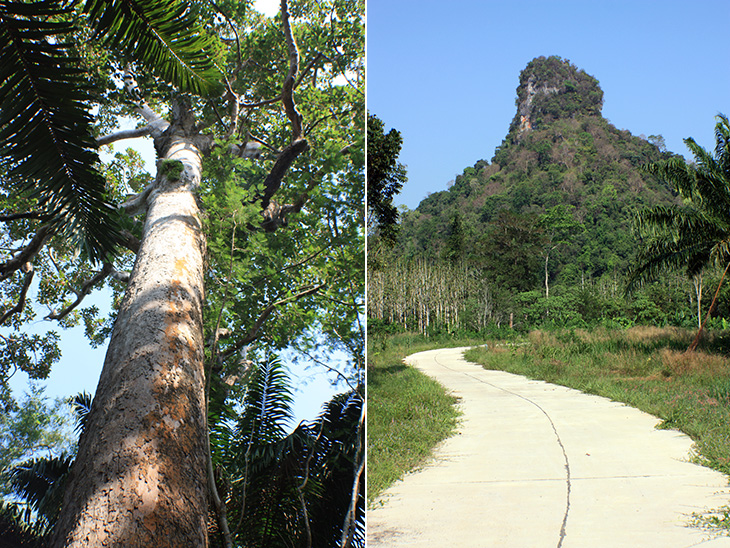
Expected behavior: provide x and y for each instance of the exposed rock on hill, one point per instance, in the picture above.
(559, 150)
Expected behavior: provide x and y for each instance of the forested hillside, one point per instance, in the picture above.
(540, 233)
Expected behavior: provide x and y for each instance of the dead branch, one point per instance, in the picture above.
(18, 308)
(26, 254)
(253, 333)
(86, 288)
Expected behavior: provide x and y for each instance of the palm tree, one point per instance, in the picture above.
(292, 489)
(696, 234)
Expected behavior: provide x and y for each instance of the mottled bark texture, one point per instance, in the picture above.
(139, 479)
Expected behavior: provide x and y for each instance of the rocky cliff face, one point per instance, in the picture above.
(552, 88)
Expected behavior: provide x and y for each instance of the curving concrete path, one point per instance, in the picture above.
(538, 465)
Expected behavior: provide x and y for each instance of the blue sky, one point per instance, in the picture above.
(445, 73)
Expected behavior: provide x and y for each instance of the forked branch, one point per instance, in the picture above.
(26, 254)
(86, 288)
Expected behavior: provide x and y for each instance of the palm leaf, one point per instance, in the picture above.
(267, 405)
(40, 482)
(46, 142)
(18, 531)
(165, 36)
(81, 404)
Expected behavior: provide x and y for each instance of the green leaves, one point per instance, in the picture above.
(692, 236)
(166, 36)
(46, 141)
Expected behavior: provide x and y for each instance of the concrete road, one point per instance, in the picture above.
(538, 465)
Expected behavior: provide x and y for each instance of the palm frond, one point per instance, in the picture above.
(17, 529)
(40, 482)
(165, 36)
(676, 172)
(267, 404)
(46, 142)
(81, 405)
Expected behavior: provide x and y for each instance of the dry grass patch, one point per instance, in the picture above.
(698, 364)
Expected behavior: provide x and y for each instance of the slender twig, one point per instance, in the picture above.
(303, 485)
(253, 332)
(696, 341)
(261, 103)
(220, 507)
(235, 32)
(328, 367)
(348, 528)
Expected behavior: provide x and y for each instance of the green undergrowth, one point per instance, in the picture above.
(408, 412)
(644, 367)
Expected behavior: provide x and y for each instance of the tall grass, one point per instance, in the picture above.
(644, 367)
(408, 412)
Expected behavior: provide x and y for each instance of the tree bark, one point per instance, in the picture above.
(139, 479)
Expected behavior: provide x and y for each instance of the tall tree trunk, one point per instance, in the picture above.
(139, 479)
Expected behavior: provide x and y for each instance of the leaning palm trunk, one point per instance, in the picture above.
(696, 342)
(139, 479)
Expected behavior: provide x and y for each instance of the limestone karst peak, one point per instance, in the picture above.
(552, 88)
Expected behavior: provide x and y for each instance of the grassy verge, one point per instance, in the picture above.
(644, 367)
(408, 412)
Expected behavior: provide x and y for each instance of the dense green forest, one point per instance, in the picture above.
(543, 233)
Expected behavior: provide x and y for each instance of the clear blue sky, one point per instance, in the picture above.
(445, 73)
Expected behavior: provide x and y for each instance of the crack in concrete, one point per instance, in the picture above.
(563, 526)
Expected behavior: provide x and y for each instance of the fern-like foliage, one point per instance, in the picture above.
(165, 36)
(81, 405)
(46, 142)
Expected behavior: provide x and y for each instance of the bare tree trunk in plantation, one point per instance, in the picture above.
(139, 478)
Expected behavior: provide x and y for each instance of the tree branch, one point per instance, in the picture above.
(36, 215)
(125, 134)
(252, 333)
(26, 255)
(282, 164)
(287, 92)
(348, 528)
(28, 269)
(137, 203)
(276, 215)
(83, 292)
